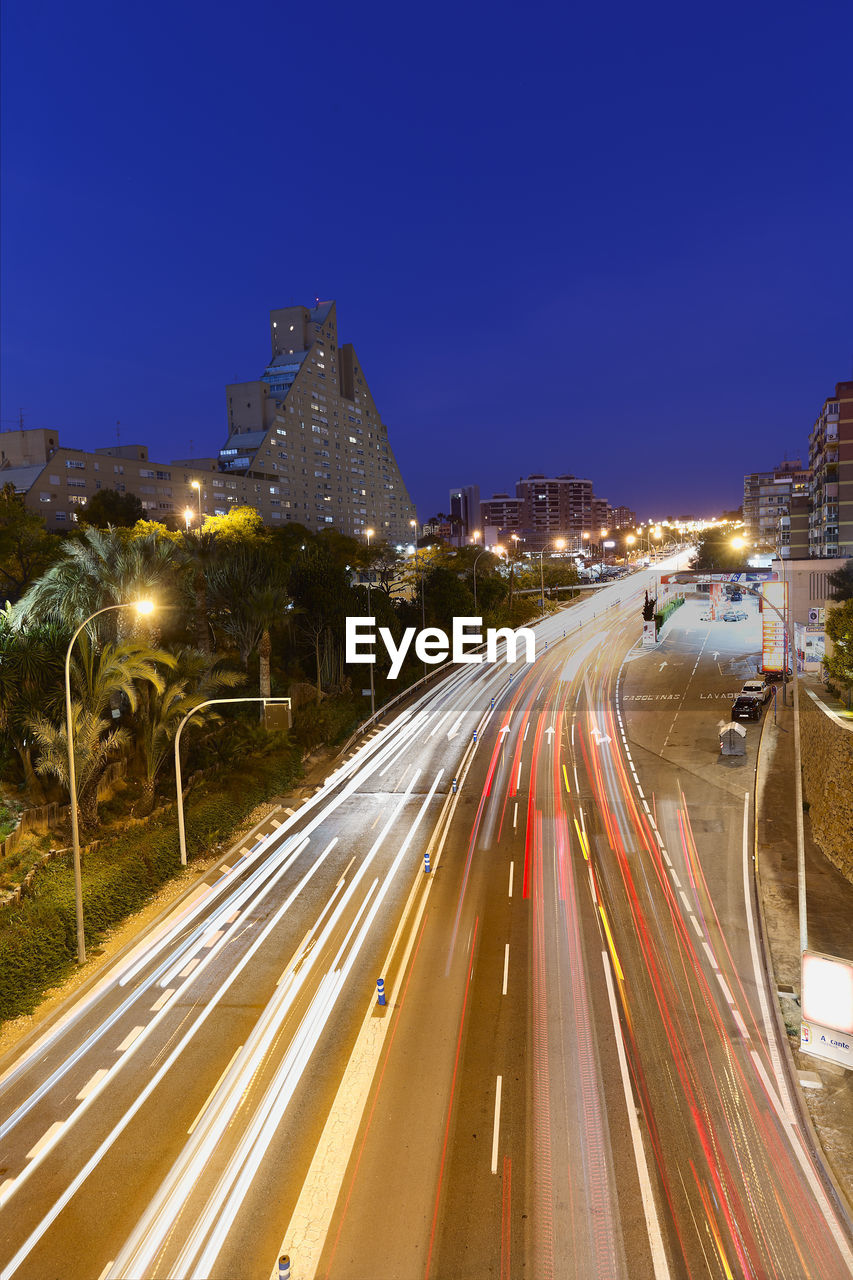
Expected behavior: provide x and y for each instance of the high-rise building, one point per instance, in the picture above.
(831, 487)
(547, 507)
(306, 444)
(308, 430)
(465, 509)
(767, 497)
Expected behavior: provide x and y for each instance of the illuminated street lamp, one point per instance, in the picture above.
(559, 543)
(188, 515)
(196, 484)
(142, 607)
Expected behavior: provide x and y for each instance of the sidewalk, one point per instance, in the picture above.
(829, 897)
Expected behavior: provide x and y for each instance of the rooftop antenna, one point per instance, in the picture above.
(118, 431)
(191, 447)
(20, 419)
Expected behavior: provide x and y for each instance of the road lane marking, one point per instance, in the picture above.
(496, 1133)
(158, 1004)
(725, 990)
(511, 868)
(187, 969)
(46, 1139)
(209, 1097)
(92, 1084)
(659, 1262)
(712, 959)
(213, 937)
(506, 968)
(129, 1039)
(566, 779)
(684, 898)
(106, 1270)
(695, 924)
(515, 816)
(526, 731)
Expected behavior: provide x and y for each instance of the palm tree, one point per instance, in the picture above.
(96, 743)
(248, 595)
(196, 678)
(199, 551)
(98, 674)
(31, 671)
(103, 567)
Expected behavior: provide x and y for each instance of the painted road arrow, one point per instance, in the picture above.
(549, 733)
(454, 729)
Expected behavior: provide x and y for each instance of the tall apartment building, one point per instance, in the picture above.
(546, 507)
(306, 444)
(621, 518)
(831, 486)
(767, 498)
(465, 508)
(308, 430)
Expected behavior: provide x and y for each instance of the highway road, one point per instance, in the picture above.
(575, 1073)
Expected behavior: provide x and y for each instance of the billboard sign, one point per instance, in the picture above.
(826, 1030)
(774, 596)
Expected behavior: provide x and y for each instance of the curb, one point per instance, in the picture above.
(824, 1167)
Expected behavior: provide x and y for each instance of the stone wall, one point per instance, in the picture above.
(827, 754)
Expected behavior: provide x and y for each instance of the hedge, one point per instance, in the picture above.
(38, 944)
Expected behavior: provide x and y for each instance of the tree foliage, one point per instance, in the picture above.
(26, 548)
(109, 507)
(839, 629)
(841, 581)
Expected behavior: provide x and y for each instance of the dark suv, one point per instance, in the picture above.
(746, 707)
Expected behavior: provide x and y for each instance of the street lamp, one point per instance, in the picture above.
(142, 607)
(476, 558)
(196, 484)
(182, 836)
(559, 543)
(413, 524)
(788, 624)
(368, 533)
(188, 515)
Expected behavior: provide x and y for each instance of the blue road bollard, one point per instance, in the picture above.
(493, 704)
(546, 644)
(475, 735)
(380, 991)
(427, 867)
(453, 786)
(510, 677)
(284, 1267)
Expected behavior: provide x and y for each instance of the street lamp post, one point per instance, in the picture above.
(476, 558)
(196, 484)
(413, 525)
(188, 515)
(559, 543)
(143, 606)
(788, 624)
(182, 838)
(368, 533)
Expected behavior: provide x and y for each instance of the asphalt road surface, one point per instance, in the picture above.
(575, 1072)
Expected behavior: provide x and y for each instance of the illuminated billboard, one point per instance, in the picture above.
(773, 645)
(826, 1030)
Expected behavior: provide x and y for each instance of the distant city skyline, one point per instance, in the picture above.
(626, 258)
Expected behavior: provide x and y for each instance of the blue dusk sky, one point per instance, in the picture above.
(614, 240)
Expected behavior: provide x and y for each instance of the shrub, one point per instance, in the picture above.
(38, 942)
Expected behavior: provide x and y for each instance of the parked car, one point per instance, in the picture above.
(745, 707)
(735, 615)
(757, 689)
